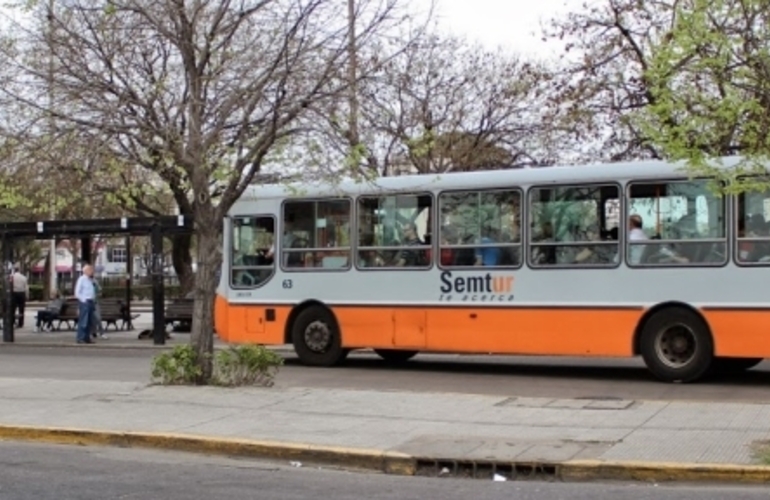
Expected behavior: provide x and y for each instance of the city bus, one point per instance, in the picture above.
(607, 260)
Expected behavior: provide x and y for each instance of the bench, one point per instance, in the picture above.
(114, 311)
(69, 314)
(179, 314)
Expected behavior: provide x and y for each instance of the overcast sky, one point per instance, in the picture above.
(512, 24)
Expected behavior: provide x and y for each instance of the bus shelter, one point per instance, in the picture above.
(84, 230)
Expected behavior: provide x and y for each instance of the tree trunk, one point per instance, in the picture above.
(181, 258)
(49, 268)
(209, 238)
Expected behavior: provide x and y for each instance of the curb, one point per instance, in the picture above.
(664, 471)
(141, 345)
(393, 462)
(376, 460)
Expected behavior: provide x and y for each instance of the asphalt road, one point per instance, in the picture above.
(50, 472)
(507, 376)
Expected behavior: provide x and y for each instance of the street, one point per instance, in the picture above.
(491, 375)
(43, 472)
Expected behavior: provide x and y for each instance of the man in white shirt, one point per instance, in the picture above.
(20, 290)
(635, 233)
(86, 295)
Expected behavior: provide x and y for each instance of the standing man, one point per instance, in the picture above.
(20, 293)
(85, 293)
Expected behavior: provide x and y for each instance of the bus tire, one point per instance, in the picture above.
(676, 345)
(395, 356)
(316, 337)
(729, 366)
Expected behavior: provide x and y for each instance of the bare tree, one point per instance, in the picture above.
(441, 105)
(197, 92)
(601, 82)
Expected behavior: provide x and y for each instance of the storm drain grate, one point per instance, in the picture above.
(475, 469)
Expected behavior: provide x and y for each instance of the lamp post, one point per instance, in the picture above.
(53, 275)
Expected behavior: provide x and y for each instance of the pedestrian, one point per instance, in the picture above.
(97, 326)
(20, 289)
(85, 293)
(47, 316)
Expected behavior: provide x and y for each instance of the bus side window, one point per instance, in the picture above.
(252, 245)
(316, 235)
(480, 228)
(678, 223)
(753, 229)
(571, 226)
(394, 231)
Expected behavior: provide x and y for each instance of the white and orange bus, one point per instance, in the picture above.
(610, 260)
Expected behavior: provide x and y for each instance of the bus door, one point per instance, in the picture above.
(252, 265)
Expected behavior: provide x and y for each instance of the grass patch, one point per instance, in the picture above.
(761, 452)
(242, 365)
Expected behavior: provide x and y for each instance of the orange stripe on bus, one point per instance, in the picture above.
(537, 331)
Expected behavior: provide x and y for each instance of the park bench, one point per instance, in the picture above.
(179, 314)
(69, 314)
(114, 311)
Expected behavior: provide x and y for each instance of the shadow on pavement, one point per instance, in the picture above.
(565, 368)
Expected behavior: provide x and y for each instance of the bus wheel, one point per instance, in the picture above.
(395, 356)
(734, 365)
(316, 338)
(676, 345)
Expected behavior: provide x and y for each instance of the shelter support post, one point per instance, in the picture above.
(85, 250)
(158, 301)
(7, 272)
(129, 277)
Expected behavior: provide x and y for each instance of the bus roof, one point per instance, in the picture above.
(601, 172)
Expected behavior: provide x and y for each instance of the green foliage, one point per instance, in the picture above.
(36, 293)
(180, 366)
(246, 365)
(711, 91)
(236, 366)
(761, 452)
(138, 292)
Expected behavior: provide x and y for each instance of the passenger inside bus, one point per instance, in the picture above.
(448, 237)
(545, 254)
(671, 253)
(296, 258)
(287, 240)
(486, 255)
(410, 257)
(252, 240)
(753, 226)
(599, 254)
(369, 257)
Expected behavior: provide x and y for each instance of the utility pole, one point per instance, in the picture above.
(353, 75)
(53, 275)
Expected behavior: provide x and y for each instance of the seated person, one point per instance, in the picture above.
(544, 254)
(599, 254)
(488, 256)
(369, 257)
(407, 257)
(52, 311)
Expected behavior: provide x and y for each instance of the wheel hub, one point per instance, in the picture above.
(318, 336)
(676, 345)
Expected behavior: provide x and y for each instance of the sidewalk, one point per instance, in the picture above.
(116, 338)
(402, 432)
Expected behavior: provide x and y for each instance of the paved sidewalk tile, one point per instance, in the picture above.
(438, 425)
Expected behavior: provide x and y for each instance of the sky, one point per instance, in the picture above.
(514, 25)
